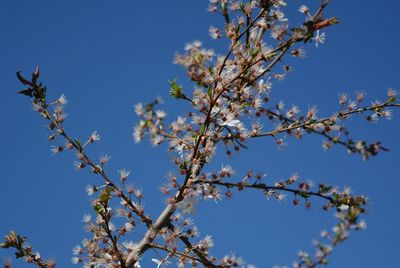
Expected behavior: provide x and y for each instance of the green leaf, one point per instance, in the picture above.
(255, 52)
(78, 143)
(202, 129)
(209, 92)
(308, 37)
(105, 195)
(295, 123)
(97, 208)
(176, 90)
(304, 194)
(335, 139)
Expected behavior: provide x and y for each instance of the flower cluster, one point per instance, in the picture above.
(24, 250)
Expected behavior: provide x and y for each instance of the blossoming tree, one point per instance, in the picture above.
(229, 106)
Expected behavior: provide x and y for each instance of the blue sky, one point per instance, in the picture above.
(106, 56)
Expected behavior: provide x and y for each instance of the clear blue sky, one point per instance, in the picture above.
(105, 56)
